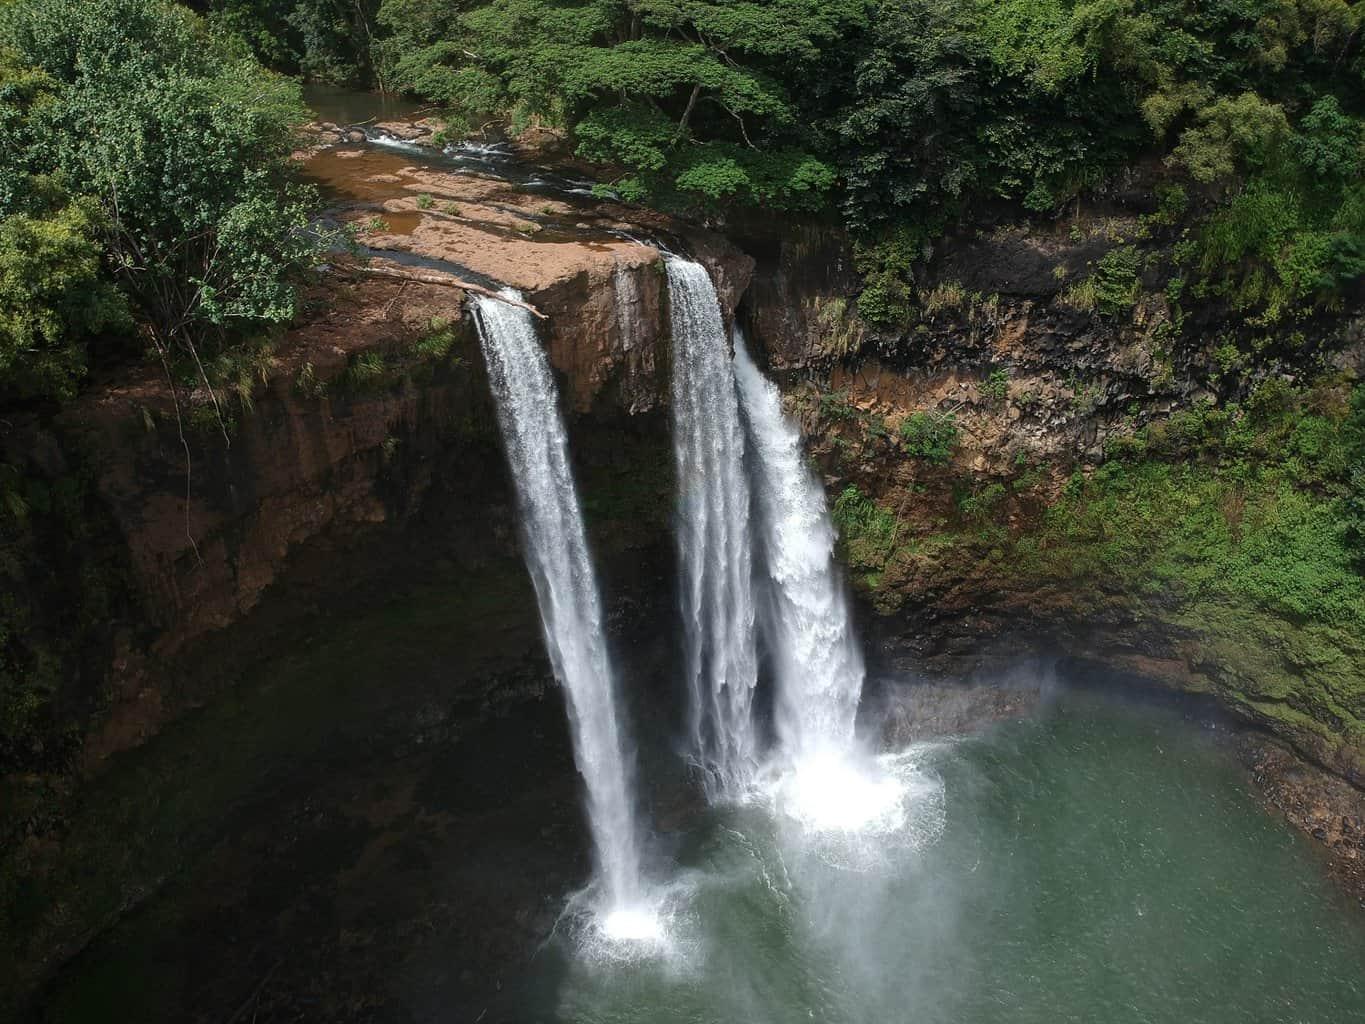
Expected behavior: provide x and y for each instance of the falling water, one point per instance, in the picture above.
(570, 611)
(713, 533)
(818, 664)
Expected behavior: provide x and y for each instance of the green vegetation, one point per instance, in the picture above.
(1113, 287)
(996, 387)
(437, 341)
(1243, 517)
(1240, 525)
(334, 41)
(1245, 502)
(392, 365)
(931, 436)
(906, 116)
(144, 183)
(867, 531)
(836, 407)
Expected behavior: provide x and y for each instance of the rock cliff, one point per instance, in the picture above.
(358, 459)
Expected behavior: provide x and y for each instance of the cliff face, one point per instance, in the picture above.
(1019, 470)
(974, 458)
(325, 454)
(357, 465)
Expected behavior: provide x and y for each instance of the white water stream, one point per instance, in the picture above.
(566, 589)
(713, 535)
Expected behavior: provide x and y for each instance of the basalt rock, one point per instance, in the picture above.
(1038, 386)
(368, 411)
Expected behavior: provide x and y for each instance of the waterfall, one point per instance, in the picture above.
(713, 534)
(556, 554)
(818, 665)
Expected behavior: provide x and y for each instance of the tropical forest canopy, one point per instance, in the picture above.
(146, 192)
(146, 196)
(901, 116)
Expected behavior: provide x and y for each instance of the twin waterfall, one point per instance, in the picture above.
(713, 535)
(818, 664)
(566, 587)
(741, 475)
(805, 620)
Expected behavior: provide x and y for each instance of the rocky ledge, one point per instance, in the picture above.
(592, 268)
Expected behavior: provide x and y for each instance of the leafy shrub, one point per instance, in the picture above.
(836, 407)
(996, 387)
(867, 530)
(981, 503)
(53, 297)
(930, 435)
(437, 341)
(366, 372)
(1113, 287)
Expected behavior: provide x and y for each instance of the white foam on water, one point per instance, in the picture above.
(854, 811)
(633, 924)
(827, 793)
(658, 928)
(390, 142)
(482, 150)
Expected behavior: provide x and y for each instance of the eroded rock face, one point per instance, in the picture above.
(1037, 390)
(324, 455)
(354, 422)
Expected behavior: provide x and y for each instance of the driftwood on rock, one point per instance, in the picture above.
(446, 281)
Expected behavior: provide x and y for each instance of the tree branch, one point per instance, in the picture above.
(687, 114)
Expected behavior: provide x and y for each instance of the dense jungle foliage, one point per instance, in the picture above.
(905, 116)
(146, 198)
(144, 189)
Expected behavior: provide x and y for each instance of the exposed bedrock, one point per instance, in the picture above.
(979, 549)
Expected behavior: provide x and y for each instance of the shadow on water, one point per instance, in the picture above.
(352, 106)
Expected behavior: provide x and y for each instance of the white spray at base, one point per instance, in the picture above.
(561, 570)
(713, 535)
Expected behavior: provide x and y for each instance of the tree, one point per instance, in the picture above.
(53, 297)
(687, 98)
(182, 150)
